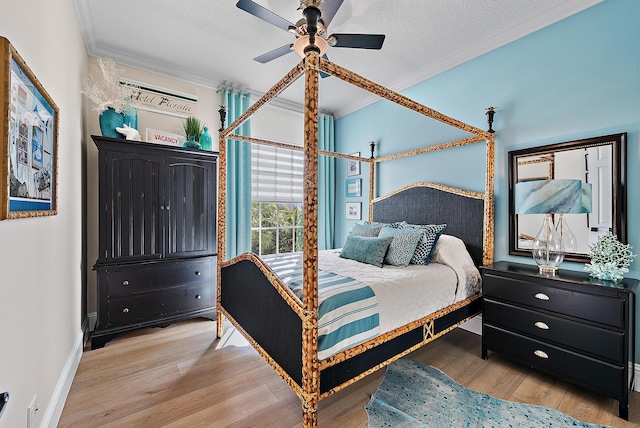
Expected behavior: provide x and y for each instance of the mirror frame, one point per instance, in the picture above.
(619, 191)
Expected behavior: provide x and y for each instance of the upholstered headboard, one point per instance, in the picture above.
(429, 203)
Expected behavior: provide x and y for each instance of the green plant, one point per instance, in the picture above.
(192, 126)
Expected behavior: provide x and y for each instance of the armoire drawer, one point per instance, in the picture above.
(125, 280)
(584, 305)
(558, 361)
(595, 341)
(158, 305)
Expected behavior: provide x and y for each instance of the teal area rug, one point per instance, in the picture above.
(418, 395)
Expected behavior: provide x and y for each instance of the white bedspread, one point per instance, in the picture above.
(407, 294)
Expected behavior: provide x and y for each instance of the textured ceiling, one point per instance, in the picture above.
(211, 41)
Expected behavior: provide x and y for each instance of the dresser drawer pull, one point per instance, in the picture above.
(125, 283)
(198, 273)
(541, 296)
(198, 297)
(125, 310)
(541, 354)
(541, 325)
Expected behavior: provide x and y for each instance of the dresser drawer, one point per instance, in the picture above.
(558, 361)
(125, 280)
(597, 342)
(158, 305)
(587, 306)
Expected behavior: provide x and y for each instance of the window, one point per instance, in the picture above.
(276, 208)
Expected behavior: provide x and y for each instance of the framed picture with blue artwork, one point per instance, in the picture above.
(353, 166)
(353, 187)
(353, 210)
(29, 145)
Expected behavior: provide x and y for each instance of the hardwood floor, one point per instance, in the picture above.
(181, 376)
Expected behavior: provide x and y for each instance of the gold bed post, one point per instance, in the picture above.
(310, 364)
(222, 232)
(488, 203)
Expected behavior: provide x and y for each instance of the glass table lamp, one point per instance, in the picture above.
(561, 196)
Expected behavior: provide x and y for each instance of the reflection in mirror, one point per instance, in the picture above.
(599, 161)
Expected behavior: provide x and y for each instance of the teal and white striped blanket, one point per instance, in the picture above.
(347, 309)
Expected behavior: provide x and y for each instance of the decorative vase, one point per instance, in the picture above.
(205, 140)
(191, 142)
(109, 121)
(131, 118)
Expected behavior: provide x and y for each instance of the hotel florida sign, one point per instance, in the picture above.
(159, 100)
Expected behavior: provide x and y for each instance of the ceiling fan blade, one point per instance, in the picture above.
(265, 14)
(329, 9)
(276, 53)
(322, 73)
(359, 41)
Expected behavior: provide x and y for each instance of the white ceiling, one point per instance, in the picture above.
(209, 42)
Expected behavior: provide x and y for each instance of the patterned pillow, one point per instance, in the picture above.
(424, 249)
(366, 229)
(364, 249)
(395, 224)
(403, 245)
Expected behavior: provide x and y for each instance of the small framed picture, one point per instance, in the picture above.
(353, 187)
(353, 210)
(353, 166)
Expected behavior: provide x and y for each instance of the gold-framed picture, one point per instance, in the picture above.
(29, 146)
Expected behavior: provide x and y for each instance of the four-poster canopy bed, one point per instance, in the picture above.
(284, 326)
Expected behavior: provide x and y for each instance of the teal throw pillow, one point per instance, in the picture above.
(366, 249)
(366, 229)
(403, 245)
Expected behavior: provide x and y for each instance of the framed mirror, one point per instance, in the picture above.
(600, 161)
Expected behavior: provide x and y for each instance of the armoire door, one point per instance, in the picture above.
(190, 207)
(133, 207)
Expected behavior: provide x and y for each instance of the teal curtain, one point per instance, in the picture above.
(326, 183)
(238, 176)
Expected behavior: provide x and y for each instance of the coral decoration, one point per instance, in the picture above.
(610, 259)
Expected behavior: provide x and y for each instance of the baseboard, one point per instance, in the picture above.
(52, 414)
(636, 370)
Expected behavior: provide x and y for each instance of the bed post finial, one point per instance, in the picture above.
(491, 111)
(223, 116)
(373, 148)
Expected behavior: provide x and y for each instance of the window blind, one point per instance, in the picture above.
(276, 174)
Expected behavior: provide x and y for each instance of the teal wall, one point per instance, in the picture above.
(575, 79)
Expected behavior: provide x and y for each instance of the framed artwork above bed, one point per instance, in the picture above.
(353, 187)
(353, 210)
(353, 167)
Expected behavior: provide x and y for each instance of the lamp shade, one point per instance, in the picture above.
(562, 196)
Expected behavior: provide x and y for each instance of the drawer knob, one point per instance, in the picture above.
(541, 296)
(198, 273)
(125, 283)
(542, 325)
(125, 310)
(541, 354)
(198, 296)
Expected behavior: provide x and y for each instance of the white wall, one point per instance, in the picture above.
(278, 124)
(41, 263)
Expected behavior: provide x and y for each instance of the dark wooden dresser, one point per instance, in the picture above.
(157, 236)
(570, 325)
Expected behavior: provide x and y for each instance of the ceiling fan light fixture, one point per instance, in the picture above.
(303, 41)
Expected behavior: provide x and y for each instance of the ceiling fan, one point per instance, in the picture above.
(311, 29)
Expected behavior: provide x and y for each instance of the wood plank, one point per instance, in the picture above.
(182, 376)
